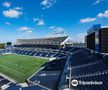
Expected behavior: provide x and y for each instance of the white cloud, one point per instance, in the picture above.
(26, 35)
(52, 27)
(25, 28)
(104, 26)
(47, 3)
(57, 31)
(87, 20)
(18, 8)
(35, 19)
(39, 21)
(100, 15)
(97, 2)
(6, 4)
(11, 13)
(80, 37)
(30, 31)
(105, 14)
(7, 23)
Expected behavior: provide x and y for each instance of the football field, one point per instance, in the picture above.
(20, 67)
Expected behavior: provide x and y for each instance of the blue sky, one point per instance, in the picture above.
(43, 18)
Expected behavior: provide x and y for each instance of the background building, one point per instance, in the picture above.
(97, 38)
(2, 45)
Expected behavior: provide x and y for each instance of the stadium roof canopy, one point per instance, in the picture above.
(43, 41)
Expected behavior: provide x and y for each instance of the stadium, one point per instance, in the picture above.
(47, 64)
(53, 45)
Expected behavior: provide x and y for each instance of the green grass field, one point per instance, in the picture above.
(19, 67)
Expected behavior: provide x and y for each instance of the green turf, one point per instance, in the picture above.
(20, 67)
